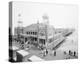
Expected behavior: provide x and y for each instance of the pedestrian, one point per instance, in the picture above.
(44, 54)
(74, 53)
(54, 53)
(69, 52)
(46, 51)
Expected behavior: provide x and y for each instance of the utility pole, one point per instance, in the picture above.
(20, 31)
(38, 32)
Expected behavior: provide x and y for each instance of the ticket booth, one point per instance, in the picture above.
(35, 58)
(12, 52)
(21, 55)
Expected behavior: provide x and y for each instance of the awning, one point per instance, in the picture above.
(13, 48)
(35, 58)
(23, 52)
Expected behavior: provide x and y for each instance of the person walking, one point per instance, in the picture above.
(54, 53)
(69, 52)
(46, 51)
(74, 53)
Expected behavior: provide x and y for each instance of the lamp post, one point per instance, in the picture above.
(20, 31)
(38, 32)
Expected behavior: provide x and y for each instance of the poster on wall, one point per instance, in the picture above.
(42, 31)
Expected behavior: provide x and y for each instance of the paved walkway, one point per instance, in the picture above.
(70, 43)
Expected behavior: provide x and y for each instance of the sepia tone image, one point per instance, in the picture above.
(42, 31)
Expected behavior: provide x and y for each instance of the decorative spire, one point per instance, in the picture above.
(45, 16)
(45, 19)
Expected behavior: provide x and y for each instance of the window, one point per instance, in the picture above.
(35, 33)
(26, 32)
(31, 32)
(41, 34)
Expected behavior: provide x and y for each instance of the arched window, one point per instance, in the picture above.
(26, 32)
(33, 33)
(29, 32)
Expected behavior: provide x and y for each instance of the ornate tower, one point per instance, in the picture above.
(45, 19)
(46, 23)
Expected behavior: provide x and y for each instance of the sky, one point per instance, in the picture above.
(60, 15)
